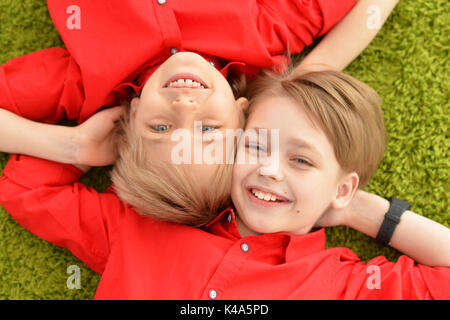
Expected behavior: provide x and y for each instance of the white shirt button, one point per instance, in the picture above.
(173, 50)
(229, 218)
(245, 247)
(212, 294)
(161, 1)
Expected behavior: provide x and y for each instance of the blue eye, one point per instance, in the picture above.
(161, 128)
(255, 147)
(301, 161)
(208, 128)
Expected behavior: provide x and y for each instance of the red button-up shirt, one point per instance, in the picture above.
(142, 258)
(113, 47)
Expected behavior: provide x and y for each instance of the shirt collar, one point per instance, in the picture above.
(294, 246)
(136, 81)
(224, 67)
(228, 211)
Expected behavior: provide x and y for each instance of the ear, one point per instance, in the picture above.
(134, 105)
(242, 104)
(346, 189)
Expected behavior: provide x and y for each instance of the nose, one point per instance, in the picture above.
(277, 176)
(185, 102)
(272, 169)
(190, 99)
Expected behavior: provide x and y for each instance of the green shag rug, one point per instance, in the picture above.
(407, 64)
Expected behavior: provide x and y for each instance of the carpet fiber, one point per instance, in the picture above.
(407, 64)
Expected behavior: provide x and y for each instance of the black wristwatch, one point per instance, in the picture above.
(391, 219)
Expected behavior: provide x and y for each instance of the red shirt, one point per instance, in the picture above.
(142, 258)
(118, 44)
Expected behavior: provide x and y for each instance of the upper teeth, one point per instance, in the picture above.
(186, 83)
(264, 195)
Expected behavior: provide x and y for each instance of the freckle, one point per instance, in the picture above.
(298, 211)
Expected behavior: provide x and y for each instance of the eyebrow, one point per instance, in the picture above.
(156, 139)
(257, 130)
(300, 143)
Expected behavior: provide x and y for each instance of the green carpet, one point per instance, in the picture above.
(408, 66)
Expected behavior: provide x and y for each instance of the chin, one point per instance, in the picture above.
(260, 225)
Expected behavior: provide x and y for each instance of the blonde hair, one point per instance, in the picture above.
(346, 109)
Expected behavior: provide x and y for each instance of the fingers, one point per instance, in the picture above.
(116, 112)
(110, 116)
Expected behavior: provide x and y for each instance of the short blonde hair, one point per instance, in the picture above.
(347, 110)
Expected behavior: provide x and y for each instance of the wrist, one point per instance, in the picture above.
(50, 141)
(367, 213)
(391, 219)
(75, 144)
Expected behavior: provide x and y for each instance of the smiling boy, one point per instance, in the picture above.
(331, 139)
(261, 249)
(172, 100)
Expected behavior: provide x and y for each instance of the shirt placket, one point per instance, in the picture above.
(168, 24)
(230, 266)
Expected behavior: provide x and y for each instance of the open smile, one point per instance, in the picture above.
(185, 80)
(265, 198)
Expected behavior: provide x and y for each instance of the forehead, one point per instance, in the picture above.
(291, 119)
(279, 112)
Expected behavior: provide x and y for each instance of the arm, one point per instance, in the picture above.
(424, 240)
(44, 86)
(89, 143)
(47, 141)
(40, 86)
(47, 199)
(380, 279)
(349, 37)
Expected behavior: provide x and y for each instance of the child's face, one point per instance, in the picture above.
(308, 179)
(165, 105)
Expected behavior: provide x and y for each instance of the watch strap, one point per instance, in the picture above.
(391, 220)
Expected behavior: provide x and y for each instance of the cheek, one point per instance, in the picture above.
(313, 193)
(225, 108)
(238, 174)
(205, 175)
(138, 122)
(205, 172)
(241, 173)
(233, 118)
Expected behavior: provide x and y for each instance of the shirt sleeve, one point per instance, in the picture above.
(305, 19)
(46, 198)
(333, 11)
(381, 279)
(44, 86)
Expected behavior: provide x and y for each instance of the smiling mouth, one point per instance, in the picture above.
(185, 80)
(265, 198)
